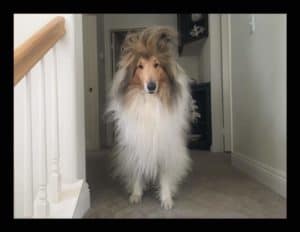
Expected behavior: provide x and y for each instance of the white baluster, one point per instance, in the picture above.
(42, 204)
(28, 169)
(55, 178)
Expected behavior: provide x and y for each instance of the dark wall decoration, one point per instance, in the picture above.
(191, 27)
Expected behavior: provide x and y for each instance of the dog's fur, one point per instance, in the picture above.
(151, 129)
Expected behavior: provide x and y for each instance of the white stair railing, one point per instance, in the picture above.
(28, 169)
(55, 177)
(25, 58)
(41, 208)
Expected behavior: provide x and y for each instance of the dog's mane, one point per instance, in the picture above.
(158, 41)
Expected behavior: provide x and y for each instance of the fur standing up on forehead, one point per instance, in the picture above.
(149, 103)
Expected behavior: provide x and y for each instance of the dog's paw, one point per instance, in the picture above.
(134, 198)
(167, 203)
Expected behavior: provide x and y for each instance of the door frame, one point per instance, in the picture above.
(220, 77)
(91, 82)
(226, 80)
(215, 61)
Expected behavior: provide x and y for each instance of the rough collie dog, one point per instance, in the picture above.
(150, 104)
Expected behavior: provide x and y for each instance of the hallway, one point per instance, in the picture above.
(59, 107)
(212, 190)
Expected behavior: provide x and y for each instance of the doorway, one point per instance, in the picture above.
(103, 50)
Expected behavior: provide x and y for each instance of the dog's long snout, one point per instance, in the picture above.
(151, 86)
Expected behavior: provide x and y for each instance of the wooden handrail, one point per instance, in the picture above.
(33, 49)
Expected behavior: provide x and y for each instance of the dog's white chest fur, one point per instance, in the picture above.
(147, 133)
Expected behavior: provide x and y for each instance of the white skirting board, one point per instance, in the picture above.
(274, 179)
(74, 201)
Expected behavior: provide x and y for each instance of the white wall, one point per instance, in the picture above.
(26, 24)
(259, 89)
(204, 60)
(70, 97)
(191, 66)
(196, 59)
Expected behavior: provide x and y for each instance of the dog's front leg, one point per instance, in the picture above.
(165, 192)
(137, 190)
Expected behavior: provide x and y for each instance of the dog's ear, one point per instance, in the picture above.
(167, 39)
(129, 48)
(129, 42)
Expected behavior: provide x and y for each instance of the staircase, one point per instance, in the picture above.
(49, 144)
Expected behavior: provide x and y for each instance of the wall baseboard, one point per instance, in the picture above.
(273, 178)
(74, 201)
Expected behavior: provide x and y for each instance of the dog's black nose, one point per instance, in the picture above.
(151, 86)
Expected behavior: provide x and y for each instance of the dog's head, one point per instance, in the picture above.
(148, 57)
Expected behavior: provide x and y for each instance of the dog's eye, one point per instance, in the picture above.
(156, 65)
(140, 66)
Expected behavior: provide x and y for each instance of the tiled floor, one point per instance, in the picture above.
(212, 190)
